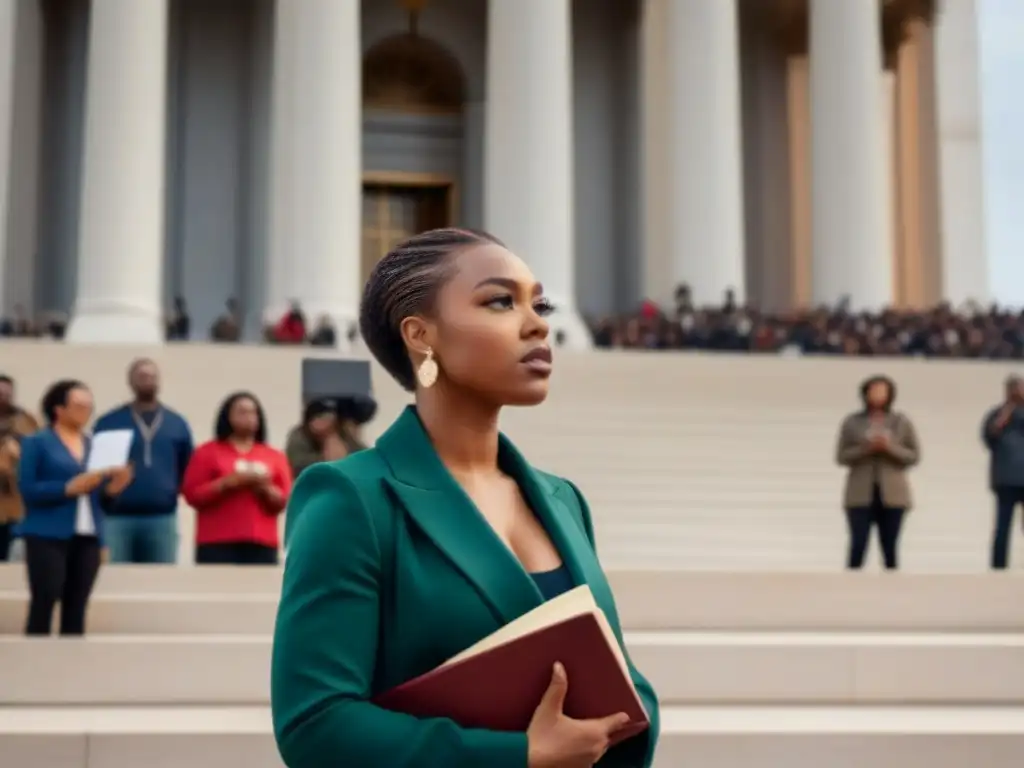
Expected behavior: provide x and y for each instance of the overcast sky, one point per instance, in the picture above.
(1002, 95)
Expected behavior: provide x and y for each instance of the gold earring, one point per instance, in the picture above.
(427, 372)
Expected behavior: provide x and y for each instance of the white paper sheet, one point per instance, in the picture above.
(110, 449)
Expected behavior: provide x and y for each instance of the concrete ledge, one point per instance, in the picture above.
(160, 614)
(163, 579)
(646, 599)
(685, 668)
(697, 737)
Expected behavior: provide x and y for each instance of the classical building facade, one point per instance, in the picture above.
(796, 151)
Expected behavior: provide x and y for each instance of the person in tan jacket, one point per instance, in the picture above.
(15, 424)
(878, 445)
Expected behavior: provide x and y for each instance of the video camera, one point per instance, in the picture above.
(341, 386)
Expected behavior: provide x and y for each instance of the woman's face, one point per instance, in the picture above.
(490, 334)
(77, 409)
(243, 417)
(322, 425)
(878, 394)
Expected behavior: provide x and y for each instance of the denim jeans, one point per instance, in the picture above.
(151, 539)
(1007, 499)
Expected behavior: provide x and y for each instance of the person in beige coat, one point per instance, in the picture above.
(878, 445)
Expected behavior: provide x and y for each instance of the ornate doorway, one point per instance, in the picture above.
(413, 95)
(396, 209)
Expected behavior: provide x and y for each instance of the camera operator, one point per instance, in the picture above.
(330, 430)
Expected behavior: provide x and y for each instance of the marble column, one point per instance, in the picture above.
(852, 253)
(120, 258)
(656, 237)
(316, 163)
(8, 23)
(528, 165)
(965, 261)
(705, 149)
(890, 187)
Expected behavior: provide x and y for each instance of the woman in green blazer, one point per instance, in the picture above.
(401, 556)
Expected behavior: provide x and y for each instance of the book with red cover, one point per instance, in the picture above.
(498, 683)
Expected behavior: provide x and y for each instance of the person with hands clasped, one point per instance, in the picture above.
(878, 445)
(238, 486)
(1002, 432)
(63, 523)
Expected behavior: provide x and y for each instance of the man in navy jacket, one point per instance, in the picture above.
(141, 523)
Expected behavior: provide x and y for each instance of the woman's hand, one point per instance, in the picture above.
(13, 449)
(120, 478)
(269, 492)
(85, 482)
(557, 741)
(239, 480)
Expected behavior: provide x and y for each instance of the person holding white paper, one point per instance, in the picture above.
(63, 524)
(142, 523)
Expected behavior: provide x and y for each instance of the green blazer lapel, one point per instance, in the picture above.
(442, 510)
(564, 527)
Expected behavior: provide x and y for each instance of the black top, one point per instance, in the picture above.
(553, 583)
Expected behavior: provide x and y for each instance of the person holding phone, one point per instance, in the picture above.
(63, 523)
(238, 486)
(878, 445)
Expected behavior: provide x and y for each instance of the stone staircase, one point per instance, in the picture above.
(782, 670)
(716, 500)
(706, 462)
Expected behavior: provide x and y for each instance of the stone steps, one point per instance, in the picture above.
(142, 600)
(684, 667)
(692, 737)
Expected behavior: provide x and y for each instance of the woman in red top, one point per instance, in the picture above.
(238, 486)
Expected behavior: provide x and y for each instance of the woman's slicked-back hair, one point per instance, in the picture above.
(405, 283)
(222, 426)
(57, 396)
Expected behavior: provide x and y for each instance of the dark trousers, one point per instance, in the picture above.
(236, 553)
(5, 541)
(64, 572)
(1007, 500)
(888, 521)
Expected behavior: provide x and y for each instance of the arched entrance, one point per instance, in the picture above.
(413, 96)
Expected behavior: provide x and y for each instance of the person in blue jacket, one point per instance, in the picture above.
(141, 523)
(63, 523)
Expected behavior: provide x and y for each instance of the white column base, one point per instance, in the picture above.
(316, 200)
(120, 254)
(705, 150)
(115, 323)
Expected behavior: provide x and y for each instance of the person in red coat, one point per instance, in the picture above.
(238, 486)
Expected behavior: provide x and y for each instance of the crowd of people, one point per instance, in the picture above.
(971, 331)
(68, 517)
